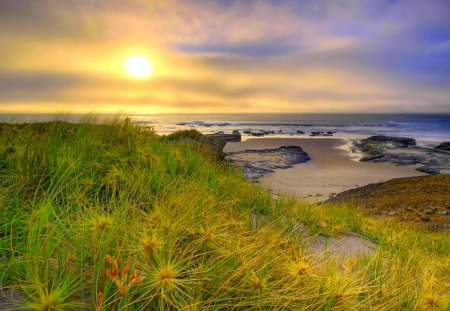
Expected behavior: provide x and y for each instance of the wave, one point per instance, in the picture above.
(318, 124)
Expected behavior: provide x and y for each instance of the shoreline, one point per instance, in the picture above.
(331, 170)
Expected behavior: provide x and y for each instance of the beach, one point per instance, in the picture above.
(331, 170)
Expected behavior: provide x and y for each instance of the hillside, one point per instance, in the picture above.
(114, 217)
(415, 199)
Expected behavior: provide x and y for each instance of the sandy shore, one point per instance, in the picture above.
(332, 168)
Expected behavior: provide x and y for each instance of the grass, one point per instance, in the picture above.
(111, 216)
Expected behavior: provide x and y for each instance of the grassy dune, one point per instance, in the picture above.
(114, 217)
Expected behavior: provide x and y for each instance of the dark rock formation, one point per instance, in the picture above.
(224, 137)
(429, 170)
(321, 133)
(396, 158)
(444, 146)
(258, 133)
(398, 141)
(404, 151)
(257, 163)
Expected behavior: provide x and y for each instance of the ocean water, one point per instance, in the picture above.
(426, 128)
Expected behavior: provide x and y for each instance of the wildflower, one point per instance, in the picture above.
(150, 244)
(206, 237)
(71, 258)
(154, 217)
(298, 268)
(256, 283)
(103, 222)
(114, 272)
(99, 304)
(120, 278)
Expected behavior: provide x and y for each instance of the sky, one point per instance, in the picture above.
(225, 56)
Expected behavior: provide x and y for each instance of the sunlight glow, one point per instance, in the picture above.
(138, 66)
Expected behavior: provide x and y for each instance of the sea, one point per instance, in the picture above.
(427, 129)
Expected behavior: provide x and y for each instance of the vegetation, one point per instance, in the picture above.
(114, 217)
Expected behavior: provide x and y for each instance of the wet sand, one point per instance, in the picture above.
(332, 168)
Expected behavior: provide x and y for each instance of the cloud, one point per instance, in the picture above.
(229, 56)
(249, 49)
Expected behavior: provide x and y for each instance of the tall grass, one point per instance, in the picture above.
(110, 216)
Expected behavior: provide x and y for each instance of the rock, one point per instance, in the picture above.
(321, 133)
(247, 132)
(220, 132)
(300, 132)
(404, 151)
(214, 143)
(399, 141)
(224, 137)
(236, 132)
(257, 163)
(402, 159)
(429, 170)
(425, 219)
(371, 158)
(444, 146)
(258, 133)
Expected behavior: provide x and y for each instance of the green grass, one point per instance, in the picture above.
(113, 217)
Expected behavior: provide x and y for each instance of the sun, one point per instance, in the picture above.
(138, 66)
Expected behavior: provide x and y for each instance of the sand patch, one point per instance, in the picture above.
(331, 169)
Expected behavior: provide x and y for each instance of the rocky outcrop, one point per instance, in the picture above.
(412, 199)
(443, 146)
(224, 137)
(322, 133)
(257, 163)
(213, 143)
(377, 145)
(397, 141)
(404, 151)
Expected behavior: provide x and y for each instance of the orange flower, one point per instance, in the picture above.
(120, 280)
(125, 269)
(114, 273)
(99, 301)
(134, 278)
